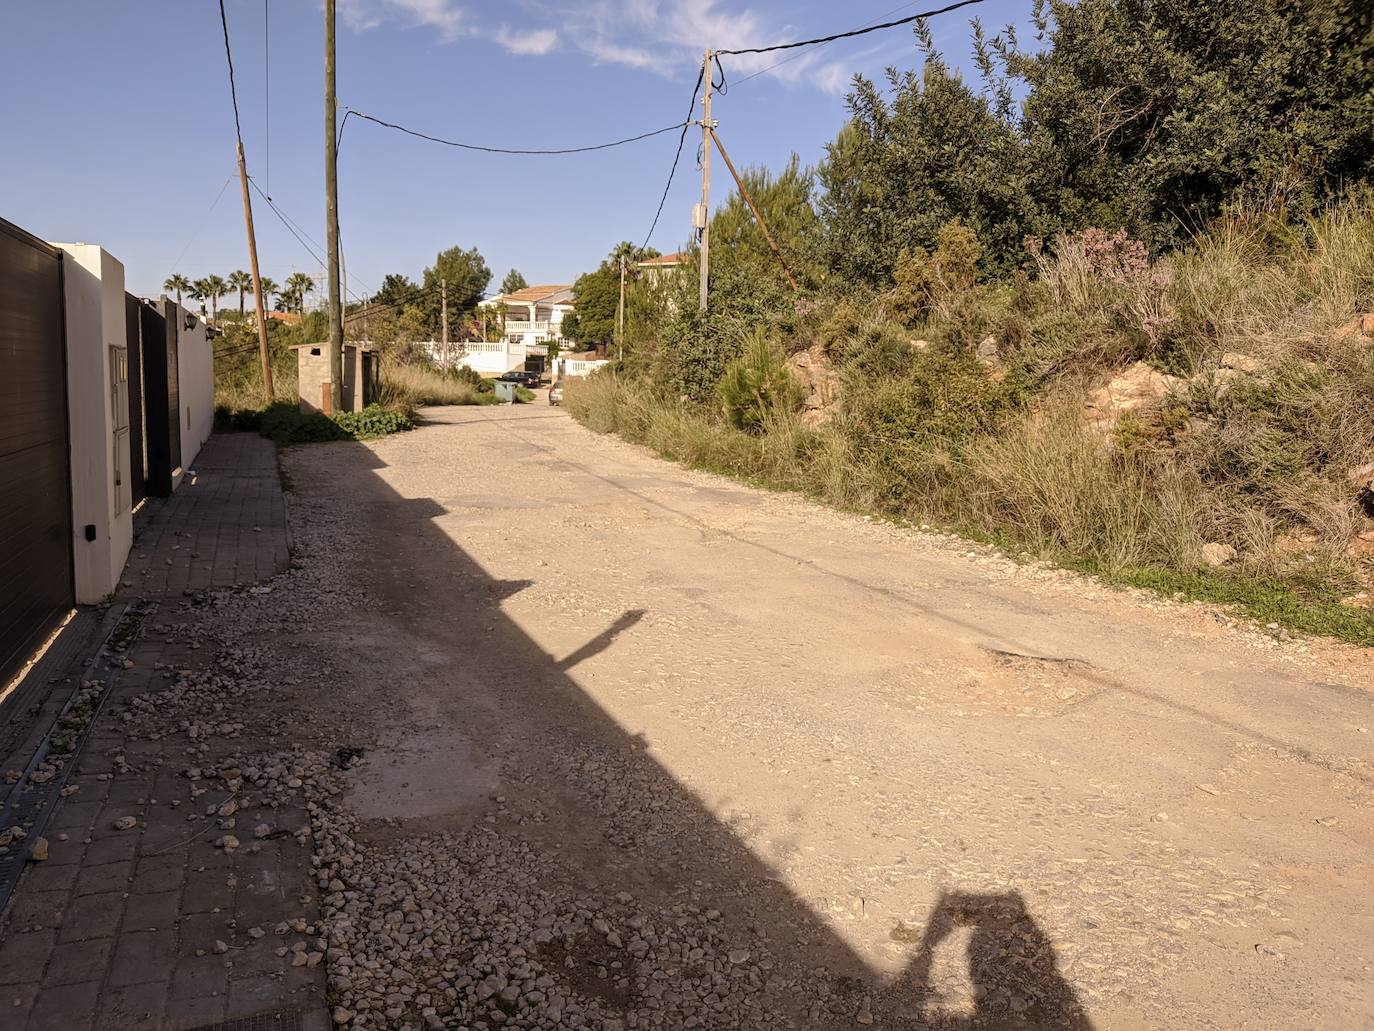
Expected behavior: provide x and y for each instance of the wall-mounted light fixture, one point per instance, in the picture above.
(190, 321)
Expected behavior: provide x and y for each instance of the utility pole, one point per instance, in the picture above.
(706, 126)
(331, 212)
(443, 308)
(257, 280)
(620, 311)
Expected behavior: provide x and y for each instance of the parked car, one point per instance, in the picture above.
(556, 394)
(521, 376)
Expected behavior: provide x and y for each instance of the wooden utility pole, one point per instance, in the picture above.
(758, 217)
(331, 211)
(620, 311)
(706, 126)
(257, 280)
(443, 309)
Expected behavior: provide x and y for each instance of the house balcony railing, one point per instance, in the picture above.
(514, 326)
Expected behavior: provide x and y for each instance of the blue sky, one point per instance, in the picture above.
(119, 130)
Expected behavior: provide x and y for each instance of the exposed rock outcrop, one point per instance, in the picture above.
(1138, 388)
(820, 383)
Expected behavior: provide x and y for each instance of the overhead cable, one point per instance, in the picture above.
(291, 228)
(510, 150)
(691, 106)
(787, 60)
(201, 224)
(228, 56)
(853, 32)
(267, 90)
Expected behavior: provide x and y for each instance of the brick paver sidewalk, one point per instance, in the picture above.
(118, 928)
(225, 525)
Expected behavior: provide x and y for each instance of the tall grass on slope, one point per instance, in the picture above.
(413, 385)
(1257, 283)
(1047, 484)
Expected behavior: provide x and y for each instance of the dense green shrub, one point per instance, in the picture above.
(758, 386)
(876, 350)
(285, 423)
(372, 421)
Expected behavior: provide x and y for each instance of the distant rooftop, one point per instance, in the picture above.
(534, 293)
(663, 260)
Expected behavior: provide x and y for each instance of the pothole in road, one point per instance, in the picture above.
(995, 682)
(1035, 685)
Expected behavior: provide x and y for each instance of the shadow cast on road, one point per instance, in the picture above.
(500, 688)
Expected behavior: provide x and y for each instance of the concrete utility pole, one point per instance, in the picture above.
(443, 309)
(620, 311)
(706, 126)
(257, 280)
(331, 212)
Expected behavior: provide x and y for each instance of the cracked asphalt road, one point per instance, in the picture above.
(929, 784)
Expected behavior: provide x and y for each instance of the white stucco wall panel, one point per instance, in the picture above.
(100, 483)
(195, 386)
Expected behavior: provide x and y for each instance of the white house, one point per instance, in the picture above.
(488, 357)
(533, 316)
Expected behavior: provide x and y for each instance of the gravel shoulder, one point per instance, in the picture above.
(648, 748)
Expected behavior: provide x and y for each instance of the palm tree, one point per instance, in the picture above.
(217, 288)
(242, 282)
(199, 290)
(625, 252)
(623, 259)
(269, 290)
(298, 284)
(178, 284)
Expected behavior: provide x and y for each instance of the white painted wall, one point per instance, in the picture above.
(489, 358)
(95, 322)
(195, 385)
(579, 367)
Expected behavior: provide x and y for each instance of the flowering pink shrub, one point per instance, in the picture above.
(1106, 273)
(1116, 257)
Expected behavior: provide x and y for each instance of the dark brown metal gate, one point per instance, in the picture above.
(161, 417)
(138, 455)
(36, 577)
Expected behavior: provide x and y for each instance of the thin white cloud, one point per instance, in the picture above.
(668, 36)
(662, 36)
(533, 43)
(446, 17)
(834, 77)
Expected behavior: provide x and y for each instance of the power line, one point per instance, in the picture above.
(300, 234)
(853, 32)
(228, 56)
(511, 150)
(201, 224)
(701, 77)
(267, 91)
(787, 60)
(298, 231)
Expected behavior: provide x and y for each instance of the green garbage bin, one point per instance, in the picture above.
(505, 390)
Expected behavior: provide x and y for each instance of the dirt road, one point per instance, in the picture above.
(661, 750)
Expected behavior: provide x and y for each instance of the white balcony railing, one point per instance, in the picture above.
(513, 326)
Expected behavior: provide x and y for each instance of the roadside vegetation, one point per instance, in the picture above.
(1062, 323)
(402, 314)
